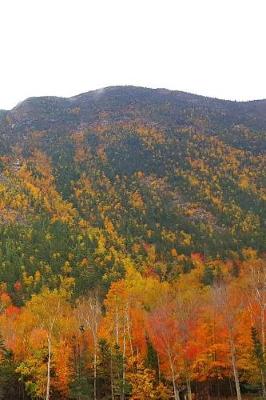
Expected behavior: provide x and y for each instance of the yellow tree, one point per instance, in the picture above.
(44, 322)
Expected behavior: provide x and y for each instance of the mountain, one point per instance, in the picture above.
(153, 174)
(170, 109)
(132, 246)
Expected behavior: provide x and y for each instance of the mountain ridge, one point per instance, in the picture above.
(125, 87)
(168, 109)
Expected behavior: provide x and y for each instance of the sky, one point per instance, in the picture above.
(65, 47)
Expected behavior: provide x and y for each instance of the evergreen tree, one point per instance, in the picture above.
(260, 357)
(10, 387)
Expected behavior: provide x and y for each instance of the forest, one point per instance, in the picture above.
(133, 247)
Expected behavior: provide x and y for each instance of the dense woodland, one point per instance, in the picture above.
(132, 247)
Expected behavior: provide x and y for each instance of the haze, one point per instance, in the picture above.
(210, 47)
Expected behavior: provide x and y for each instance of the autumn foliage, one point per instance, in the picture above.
(132, 248)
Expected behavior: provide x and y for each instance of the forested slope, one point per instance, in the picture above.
(123, 190)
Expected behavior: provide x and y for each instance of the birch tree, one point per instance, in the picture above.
(89, 315)
(228, 303)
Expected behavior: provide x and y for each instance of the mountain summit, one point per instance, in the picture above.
(169, 109)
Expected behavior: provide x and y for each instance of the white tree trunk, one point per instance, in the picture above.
(129, 332)
(233, 359)
(95, 373)
(48, 370)
(176, 391)
(111, 373)
(263, 328)
(263, 384)
(116, 327)
(189, 392)
(124, 366)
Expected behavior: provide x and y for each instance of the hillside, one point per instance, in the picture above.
(128, 191)
(148, 169)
